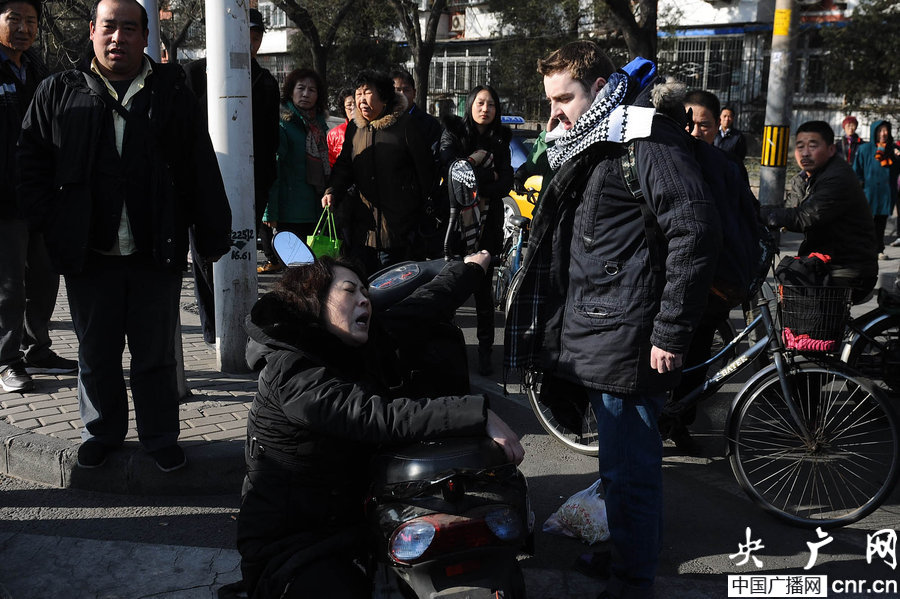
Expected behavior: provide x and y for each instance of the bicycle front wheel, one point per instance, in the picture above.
(841, 473)
(580, 437)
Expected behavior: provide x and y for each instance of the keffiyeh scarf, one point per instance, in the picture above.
(606, 120)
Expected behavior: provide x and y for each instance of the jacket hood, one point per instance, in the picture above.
(392, 112)
(273, 327)
(874, 127)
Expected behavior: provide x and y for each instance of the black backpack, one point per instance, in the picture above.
(748, 246)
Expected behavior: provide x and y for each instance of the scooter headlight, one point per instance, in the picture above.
(411, 540)
(504, 523)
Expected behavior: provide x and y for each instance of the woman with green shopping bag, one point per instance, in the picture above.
(303, 165)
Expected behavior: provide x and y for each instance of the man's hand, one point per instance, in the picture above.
(327, 199)
(503, 436)
(663, 361)
(482, 259)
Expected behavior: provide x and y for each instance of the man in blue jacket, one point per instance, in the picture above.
(115, 166)
(28, 285)
(603, 309)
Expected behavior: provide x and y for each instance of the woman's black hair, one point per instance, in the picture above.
(304, 289)
(287, 89)
(492, 127)
(344, 93)
(381, 83)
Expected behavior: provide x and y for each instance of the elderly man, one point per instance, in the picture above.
(115, 165)
(604, 310)
(28, 284)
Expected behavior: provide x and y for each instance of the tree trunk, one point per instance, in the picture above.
(638, 25)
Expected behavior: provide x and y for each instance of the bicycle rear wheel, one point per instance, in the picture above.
(842, 474)
(875, 352)
(583, 441)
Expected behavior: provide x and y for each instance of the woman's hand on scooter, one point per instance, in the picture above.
(482, 259)
(503, 436)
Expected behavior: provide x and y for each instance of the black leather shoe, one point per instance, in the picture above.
(92, 454)
(169, 458)
(52, 364)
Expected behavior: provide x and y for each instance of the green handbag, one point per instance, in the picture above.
(324, 240)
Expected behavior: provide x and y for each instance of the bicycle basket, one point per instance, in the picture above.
(813, 318)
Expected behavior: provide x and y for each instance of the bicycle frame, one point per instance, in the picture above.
(770, 342)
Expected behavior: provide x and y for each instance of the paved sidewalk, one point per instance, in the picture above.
(40, 431)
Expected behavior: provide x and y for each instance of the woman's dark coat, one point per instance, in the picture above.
(390, 164)
(320, 411)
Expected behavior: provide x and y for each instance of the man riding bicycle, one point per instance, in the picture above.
(830, 209)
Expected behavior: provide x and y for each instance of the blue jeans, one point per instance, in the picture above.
(630, 456)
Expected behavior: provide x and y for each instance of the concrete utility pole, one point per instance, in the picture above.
(773, 169)
(152, 9)
(231, 130)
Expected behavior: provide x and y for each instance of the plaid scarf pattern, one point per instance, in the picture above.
(606, 120)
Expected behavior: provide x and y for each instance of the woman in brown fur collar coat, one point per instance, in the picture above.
(390, 164)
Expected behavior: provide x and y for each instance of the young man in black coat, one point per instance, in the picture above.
(115, 166)
(605, 311)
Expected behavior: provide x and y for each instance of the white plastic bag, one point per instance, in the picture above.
(582, 516)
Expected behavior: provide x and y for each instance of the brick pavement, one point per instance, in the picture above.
(213, 418)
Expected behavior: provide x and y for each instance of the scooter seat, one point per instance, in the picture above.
(432, 460)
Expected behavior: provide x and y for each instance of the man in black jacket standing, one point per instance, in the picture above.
(830, 208)
(605, 310)
(115, 165)
(28, 284)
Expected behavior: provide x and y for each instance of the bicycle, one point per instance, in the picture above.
(515, 230)
(809, 440)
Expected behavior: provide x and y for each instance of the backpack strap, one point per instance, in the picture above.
(100, 89)
(651, 225)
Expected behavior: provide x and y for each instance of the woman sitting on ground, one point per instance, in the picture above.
(321, 410)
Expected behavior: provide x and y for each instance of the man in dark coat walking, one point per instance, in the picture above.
(115, 166)
(28, 284)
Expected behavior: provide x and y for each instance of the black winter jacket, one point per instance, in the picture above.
(390, 163)
(608, 304)
(320, 411)
(831, 210)
(57, 148)
(14, 99)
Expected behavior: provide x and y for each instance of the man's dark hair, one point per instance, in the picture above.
(708, 100)
(729, 108)
(145, 21)
(583, 60)
(820, 127)
(287, 88)
(35, 4)
(405, 75)
(381, 83)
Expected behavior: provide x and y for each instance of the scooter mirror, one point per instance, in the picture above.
(291, 249)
